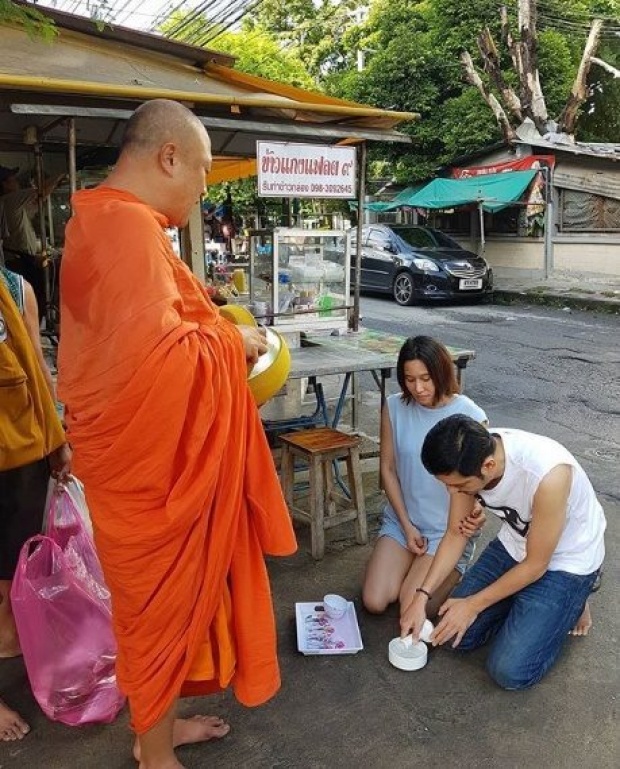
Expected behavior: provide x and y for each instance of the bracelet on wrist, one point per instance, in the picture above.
(425, 592)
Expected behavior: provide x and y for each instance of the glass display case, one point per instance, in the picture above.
(299, 279)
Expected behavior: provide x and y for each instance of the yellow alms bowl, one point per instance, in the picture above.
(237, 314)
(269, 374)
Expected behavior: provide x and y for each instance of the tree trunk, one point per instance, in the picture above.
(579, 92)
(515, 53)
(474, 78)
(490, 56)
(532, 98)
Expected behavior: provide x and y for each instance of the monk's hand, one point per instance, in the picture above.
(473, 522)
(60, 462)
(457, 614)
(254, 342)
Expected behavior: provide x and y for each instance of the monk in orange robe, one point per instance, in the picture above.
(167, 439)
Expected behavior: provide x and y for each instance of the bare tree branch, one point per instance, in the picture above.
(490, 56)
(513, 48)
(474, 78)
(579, 92)
(532, 97)
(615, 72)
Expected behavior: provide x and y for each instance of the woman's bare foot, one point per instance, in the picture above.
(195, 729)
(584, 623)
(12, 726)
(9, 642)
(10, 648)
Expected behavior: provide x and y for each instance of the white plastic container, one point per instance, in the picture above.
(407, 656)
(404, 654)
(335, 605)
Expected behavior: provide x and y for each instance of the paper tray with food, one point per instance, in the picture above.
(318, 634)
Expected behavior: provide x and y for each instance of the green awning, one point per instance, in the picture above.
(493, 191)
(390, 205)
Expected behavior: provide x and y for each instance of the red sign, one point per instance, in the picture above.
(531, 162)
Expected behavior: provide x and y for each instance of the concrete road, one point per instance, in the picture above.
(540, 369)
(543, 370)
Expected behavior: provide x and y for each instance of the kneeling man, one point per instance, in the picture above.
(531, 584)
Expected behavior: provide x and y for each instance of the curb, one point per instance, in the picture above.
(556, 299)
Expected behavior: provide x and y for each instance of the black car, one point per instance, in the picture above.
(414, 263)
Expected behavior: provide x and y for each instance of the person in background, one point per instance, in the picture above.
(32, 444)
(530, 586)
(21, 246)
(416, 513)
(179, 479)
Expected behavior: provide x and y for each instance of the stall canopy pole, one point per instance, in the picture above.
(361, 194)
(72, 161)
(38, 155)
(482, 233)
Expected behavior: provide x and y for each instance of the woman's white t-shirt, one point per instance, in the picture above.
(529, 458)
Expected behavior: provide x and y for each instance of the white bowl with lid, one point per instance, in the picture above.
(404, 654)
(407, 656)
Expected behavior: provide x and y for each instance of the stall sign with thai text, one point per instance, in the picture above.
(305, 171)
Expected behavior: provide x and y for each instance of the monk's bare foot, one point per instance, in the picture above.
(12, 726)
(584, 623)
(174, 764)
(195, 729)
(198, 729)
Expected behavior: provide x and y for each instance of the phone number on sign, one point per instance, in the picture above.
(339, 189)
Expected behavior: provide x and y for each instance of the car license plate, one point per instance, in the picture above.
(469, 283)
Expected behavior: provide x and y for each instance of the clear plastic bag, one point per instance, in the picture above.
(62, 612)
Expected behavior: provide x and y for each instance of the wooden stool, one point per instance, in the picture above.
(320, 448)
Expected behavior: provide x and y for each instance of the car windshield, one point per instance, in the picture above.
(421, 237)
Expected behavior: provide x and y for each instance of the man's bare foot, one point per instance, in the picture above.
(584, 623)
(195, 729)
(12, 726)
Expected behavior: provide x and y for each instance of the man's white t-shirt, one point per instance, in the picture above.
(529, 458)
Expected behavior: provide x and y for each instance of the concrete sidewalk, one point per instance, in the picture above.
(342, 712)
(561, 289)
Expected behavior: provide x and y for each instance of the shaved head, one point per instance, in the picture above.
(164, 159)
(159, 121)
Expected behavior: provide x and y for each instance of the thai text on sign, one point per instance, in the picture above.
(305, 171)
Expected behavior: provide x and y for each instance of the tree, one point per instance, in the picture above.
(415, 66)
(34, 22)
(257, 52)
(528, 99)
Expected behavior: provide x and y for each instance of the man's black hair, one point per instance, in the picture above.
(457, 444)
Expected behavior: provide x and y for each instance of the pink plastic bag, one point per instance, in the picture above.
(62, 612)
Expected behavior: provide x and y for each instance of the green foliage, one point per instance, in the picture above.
(411, 63)
(35, 24)
(257, 52)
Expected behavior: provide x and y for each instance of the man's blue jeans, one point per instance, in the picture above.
(528, 629)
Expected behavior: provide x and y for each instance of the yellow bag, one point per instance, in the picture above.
(29, 426)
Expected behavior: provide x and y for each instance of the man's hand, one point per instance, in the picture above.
(457, 614)
(473, 522)
(254, 342)
(412, 618)
(416, 543)
(60, 462)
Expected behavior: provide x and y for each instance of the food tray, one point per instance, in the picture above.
(317, 634)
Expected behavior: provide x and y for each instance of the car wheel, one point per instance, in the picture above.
(403, 289)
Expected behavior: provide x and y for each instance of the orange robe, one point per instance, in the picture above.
(179, 478)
